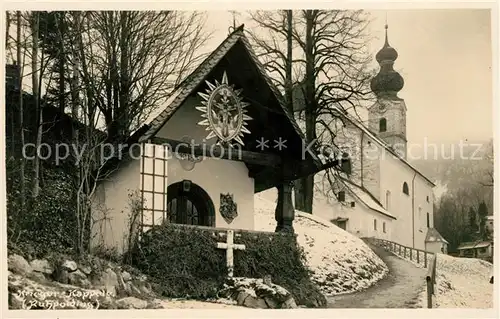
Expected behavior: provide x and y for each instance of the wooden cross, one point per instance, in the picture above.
(229, 245)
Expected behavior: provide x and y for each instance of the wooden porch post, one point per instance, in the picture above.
(285, 212)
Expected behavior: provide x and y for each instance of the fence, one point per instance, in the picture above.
(430, 278)
(419, 256)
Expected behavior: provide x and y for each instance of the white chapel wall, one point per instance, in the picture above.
(111, 207)
(217, 176)
(214, 175)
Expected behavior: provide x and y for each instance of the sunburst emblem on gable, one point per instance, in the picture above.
(224, 111)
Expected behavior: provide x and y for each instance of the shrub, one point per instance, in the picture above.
(186, 262)
(49, 226)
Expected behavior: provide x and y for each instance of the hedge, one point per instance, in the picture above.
(186, 262)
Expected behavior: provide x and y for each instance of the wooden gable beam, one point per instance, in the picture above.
(291, 171)
(217, 151)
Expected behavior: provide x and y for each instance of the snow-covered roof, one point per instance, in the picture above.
(367, 199)
(473, 245)
(434, 236)
(489, 217)
(363, 128)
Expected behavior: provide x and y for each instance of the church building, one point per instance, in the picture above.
(383, 196)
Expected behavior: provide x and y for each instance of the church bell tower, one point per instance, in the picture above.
(387, 117)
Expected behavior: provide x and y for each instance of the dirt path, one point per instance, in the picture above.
(399, 289)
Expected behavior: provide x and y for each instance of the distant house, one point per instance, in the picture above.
(478, 249)
(434, 242)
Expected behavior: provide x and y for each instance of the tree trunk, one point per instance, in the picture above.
(21, 111)
(36, 97)
(289, 59)
(61, 63)
(7, 27)
(124, 85)
(304, 200)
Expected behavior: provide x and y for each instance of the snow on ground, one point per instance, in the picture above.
(461, 283)
(340, 262)
(195, 304)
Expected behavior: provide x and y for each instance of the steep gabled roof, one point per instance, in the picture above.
(196, 78)
(434, 236)
(366, 198)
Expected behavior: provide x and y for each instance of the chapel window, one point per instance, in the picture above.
(374, 224)
(382, 125)
(428, 220)
(153, 184)
(427, 198)
(405, 188)
(341, 196)
(383, 227)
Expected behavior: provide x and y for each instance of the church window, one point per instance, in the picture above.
(405, 188)
(427, 199)
(353, 204)
(341, 196)
(383, 227)
(387, 200)
(428, 220)
(374, 224)
(382, 125)
(346, 163)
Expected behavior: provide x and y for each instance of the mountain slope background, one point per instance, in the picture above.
(464, 187)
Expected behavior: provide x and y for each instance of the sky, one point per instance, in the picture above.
(445, 59)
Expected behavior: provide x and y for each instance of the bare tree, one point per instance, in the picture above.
(489, 173)
(20, 62)
(330, 69)
(131, 60)
(34, 24)
(7, 29)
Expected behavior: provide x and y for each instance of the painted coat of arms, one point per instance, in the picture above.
(224, 112)
(228, 208)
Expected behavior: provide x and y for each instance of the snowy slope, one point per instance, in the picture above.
(340, 262)
(462, 283)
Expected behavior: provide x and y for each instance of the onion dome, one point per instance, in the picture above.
(387, 82)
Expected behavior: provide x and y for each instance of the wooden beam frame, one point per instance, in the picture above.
(293, 170)
(217, 151)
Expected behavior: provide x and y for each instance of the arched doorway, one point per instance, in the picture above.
(189, 204)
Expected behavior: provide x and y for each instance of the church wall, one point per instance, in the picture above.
(423, 206)
(111, 207)
(348, 139)
(394, 112)
(393, 174)
(360, 218)
(214, 175)
(371, 172)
